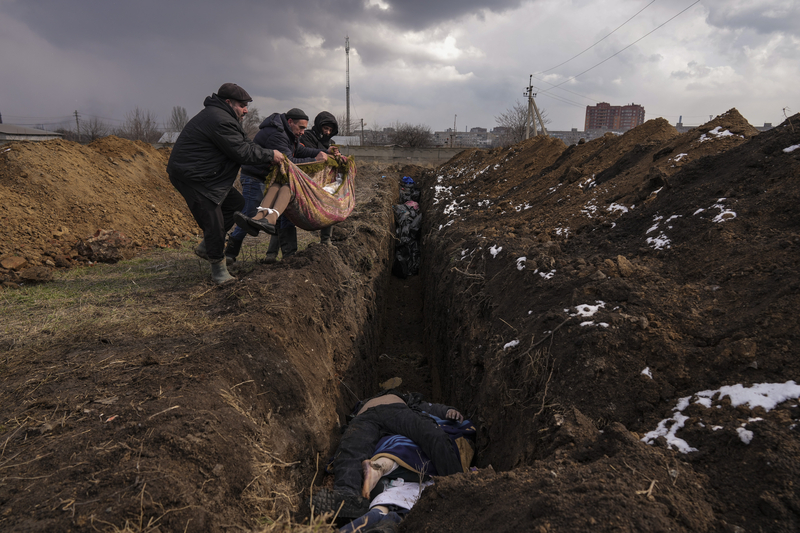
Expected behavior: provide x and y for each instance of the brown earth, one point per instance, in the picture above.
(174, 405)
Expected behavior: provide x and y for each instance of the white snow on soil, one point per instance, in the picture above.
(765, 395)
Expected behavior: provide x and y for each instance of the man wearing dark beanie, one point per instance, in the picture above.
(281, 132)
(203, 166)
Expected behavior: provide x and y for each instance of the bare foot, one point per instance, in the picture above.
(372, 474)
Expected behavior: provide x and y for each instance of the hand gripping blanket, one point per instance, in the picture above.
(323, 193)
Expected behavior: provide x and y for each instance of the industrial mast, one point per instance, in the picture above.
(347, 114)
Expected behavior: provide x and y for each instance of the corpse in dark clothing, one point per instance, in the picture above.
(389, 413)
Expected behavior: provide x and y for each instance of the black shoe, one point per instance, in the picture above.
(242, 221)
(328, 501)
(262, 225)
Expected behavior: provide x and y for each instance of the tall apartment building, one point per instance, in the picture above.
(605, 116)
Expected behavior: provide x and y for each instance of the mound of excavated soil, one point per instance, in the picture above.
(56, 193)
(630, 273)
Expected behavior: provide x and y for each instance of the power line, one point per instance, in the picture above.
(620, 51)
(598, 42)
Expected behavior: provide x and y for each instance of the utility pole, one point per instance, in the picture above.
(453, 142)
(362, 132)
(78, 125)
(347, 115)
(532, 109)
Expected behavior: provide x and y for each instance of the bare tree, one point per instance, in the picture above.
(94, 129)
(251, 122)
(512, 121)
(178, 119)
(139, 126)
(412, 135)
(341, 121)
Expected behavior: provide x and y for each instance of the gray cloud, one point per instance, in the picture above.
(415, 61)
(765, 17)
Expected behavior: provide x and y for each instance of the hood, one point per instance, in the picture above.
(216, 101)
(325, 119)
(274, 120)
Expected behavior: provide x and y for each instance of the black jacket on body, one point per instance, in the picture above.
(274, 133)
(314, 138)
(210, 150)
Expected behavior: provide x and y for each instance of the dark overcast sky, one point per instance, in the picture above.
(412, 61)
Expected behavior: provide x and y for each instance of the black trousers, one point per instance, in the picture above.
(364, 432)
(214, 219)
(286, 238)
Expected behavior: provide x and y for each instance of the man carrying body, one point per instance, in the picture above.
(319, 136)
(281, 132)
(203, 166)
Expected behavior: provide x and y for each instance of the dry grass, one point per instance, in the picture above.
(82, 304)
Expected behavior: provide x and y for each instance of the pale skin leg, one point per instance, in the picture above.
(374, 471)
(277, 197)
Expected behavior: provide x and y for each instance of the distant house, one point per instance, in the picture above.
(10, 132)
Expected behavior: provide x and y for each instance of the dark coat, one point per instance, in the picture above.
(314, 138)
(210, 150)
(274, 133)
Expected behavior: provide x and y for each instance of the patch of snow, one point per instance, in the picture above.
(787, 150)
(510, 344)
(521, 262)
(718, 132)
(745, 435)
(494, 250)
(586, 310)
(726, 214)
(765, 395)
(660, 242)
(617, 207)
(548, 275)
(679, 157)
(647, 372)
(698, 211)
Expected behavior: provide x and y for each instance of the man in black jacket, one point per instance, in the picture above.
(203, 166)
(281, 132)
(391, 412)
(325, 127)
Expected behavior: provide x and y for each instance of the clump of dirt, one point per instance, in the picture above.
(634, 271)
(57, 193)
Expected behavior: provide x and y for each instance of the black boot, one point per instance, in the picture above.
(232, 250)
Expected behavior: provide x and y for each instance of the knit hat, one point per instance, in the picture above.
(296, 114)
(231, 91)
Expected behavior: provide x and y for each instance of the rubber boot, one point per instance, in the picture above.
(232, 251)
(219, 273)
(200, 250)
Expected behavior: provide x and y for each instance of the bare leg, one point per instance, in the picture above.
(374, 471)
(283, 199)
(277, 198)
(268, 201)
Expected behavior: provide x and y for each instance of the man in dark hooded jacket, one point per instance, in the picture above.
(281, 132)
(325, 127)
(203, 166)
